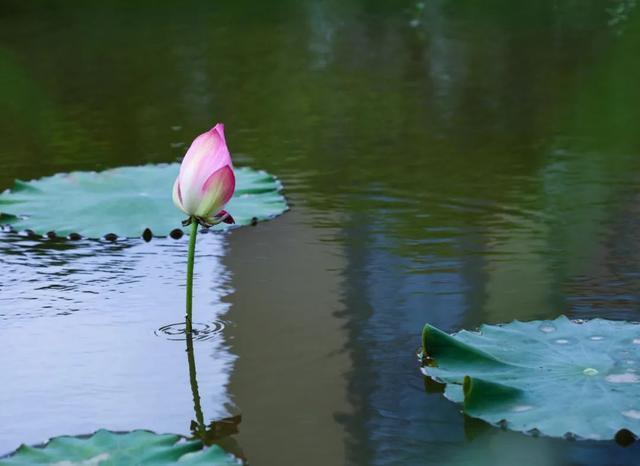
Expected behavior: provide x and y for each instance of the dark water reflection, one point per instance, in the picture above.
(450, 162)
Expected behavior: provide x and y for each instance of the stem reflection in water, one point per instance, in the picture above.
(217, 432)
(197, 426)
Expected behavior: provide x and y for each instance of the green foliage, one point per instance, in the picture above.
(557, 378)
(106, 448)
(125, 201)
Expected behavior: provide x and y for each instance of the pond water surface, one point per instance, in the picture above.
(451, 162)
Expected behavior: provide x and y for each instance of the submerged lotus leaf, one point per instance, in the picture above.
(559, 378)
(105, 448)
(125, 201)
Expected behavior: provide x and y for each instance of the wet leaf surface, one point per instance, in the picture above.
(559, 378)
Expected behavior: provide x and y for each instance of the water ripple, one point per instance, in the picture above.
(201, 331)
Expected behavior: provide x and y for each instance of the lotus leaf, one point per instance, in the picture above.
(560, 378)
(105, 448)
(126, 201)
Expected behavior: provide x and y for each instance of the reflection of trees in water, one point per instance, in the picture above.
(525, 207)
(610, 285)
(386, 305)
(587, 179)
(494, 130)
(619, 14)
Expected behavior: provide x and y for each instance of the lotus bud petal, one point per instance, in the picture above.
(206, 180)
(224, 217)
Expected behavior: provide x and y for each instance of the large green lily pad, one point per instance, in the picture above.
(125, 201)
(105, 448)
(560, 378)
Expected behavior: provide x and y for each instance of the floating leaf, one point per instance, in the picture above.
(126, 201)
(559, 378)
(105, 448)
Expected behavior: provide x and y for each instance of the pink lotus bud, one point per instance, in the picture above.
(206, 181)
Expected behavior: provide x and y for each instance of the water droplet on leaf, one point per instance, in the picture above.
(521, 408)
(632, 413)
(623, 378)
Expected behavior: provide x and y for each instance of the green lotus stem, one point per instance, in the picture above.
(190, 261)
(194, 384)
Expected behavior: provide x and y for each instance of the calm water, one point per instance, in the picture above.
(452, 162)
